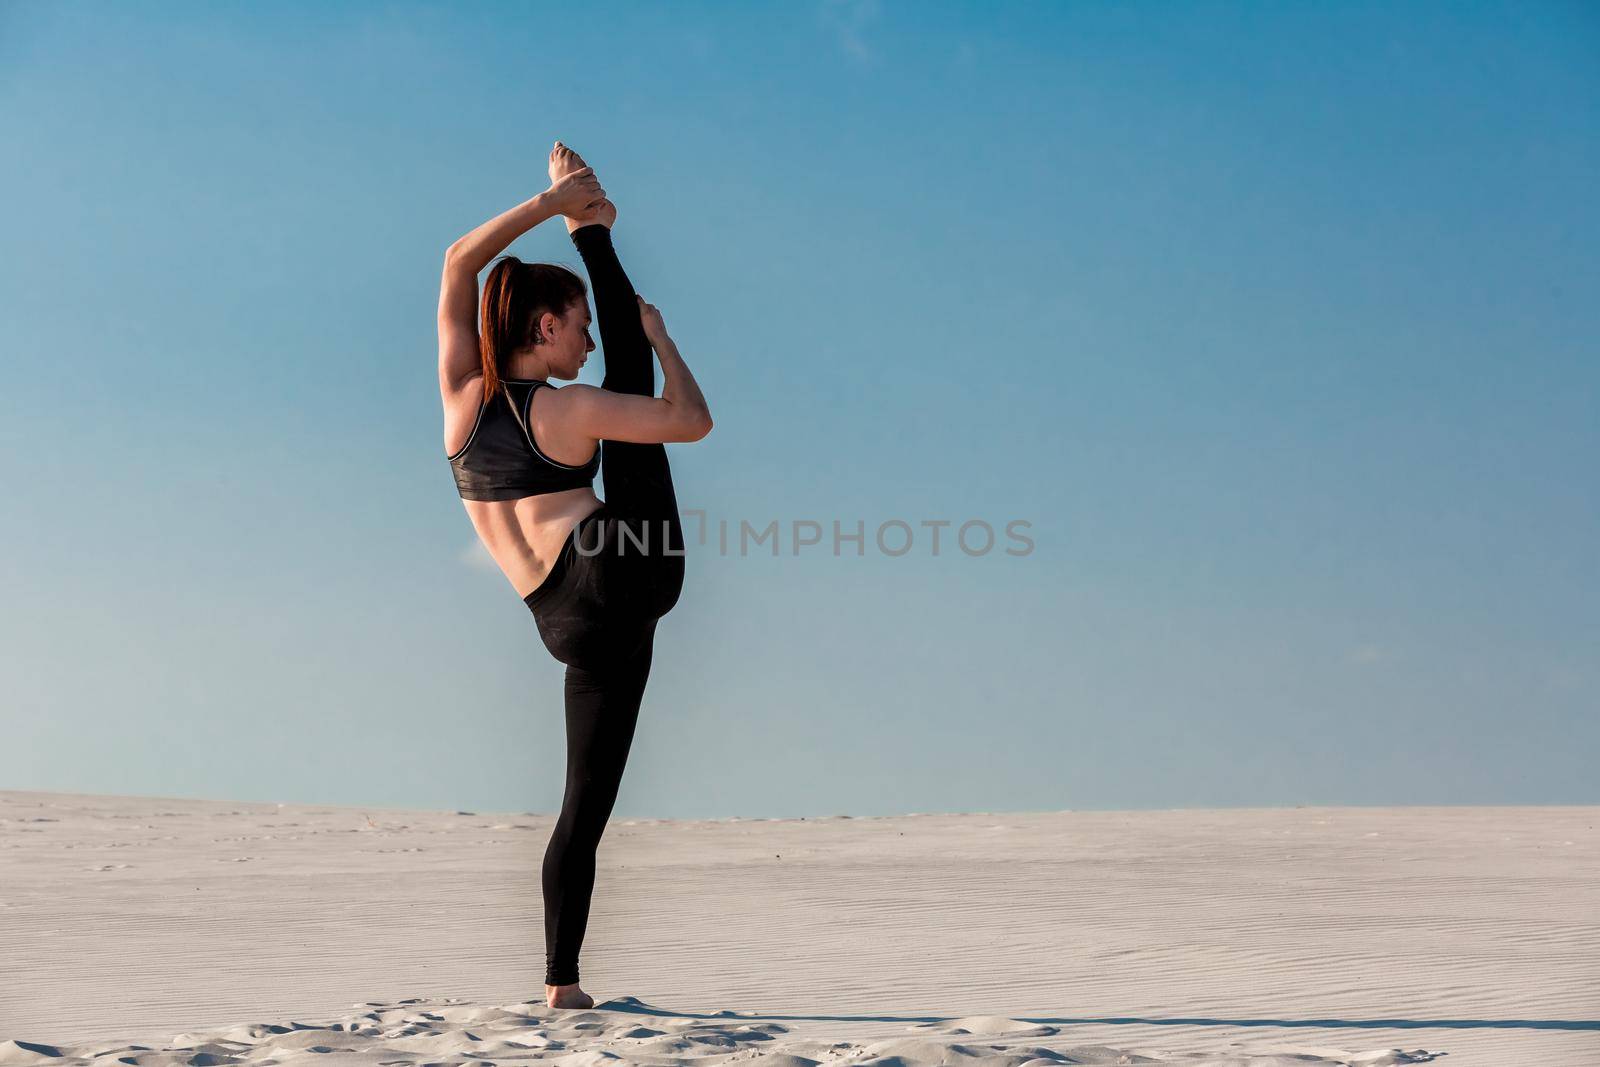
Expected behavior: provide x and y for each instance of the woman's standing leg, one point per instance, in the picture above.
(636, 477)
(602, 705)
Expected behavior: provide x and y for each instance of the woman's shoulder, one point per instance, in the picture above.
(563, 397)
(557, 420)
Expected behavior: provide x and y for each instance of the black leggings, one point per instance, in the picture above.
(619, 571)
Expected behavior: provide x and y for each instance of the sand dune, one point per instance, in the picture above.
(162, 931)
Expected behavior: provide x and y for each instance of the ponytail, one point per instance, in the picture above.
(515, 295)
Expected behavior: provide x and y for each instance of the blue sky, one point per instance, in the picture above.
(1278, 325)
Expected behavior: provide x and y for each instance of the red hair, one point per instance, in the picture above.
(515, 296)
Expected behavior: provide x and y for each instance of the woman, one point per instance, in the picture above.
(596, 576)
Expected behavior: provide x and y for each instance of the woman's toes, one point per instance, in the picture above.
(559, 156)
(563, 161)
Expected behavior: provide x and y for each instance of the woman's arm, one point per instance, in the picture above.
(678, 386)
(601, 415)
(571, 194)
(458, 288)
(476, 250)
(625, 407)
(680, 413)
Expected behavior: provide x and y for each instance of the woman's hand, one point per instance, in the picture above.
(655, 330)
(605, 213)
(576, 193)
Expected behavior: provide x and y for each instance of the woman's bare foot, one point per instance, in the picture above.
(605, 213)
(564, 161)
(567, 996)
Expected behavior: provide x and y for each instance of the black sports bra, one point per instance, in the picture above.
(500, 460)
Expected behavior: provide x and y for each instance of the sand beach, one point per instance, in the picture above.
(172, 931)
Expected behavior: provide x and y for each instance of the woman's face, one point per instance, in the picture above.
(567, 341)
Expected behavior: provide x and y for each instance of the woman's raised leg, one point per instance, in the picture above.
(636, 477)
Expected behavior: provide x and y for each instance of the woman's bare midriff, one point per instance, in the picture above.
(525, 536)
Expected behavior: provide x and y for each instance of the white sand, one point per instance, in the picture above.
(198, 932)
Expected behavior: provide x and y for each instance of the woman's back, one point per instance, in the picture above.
(522, 500)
